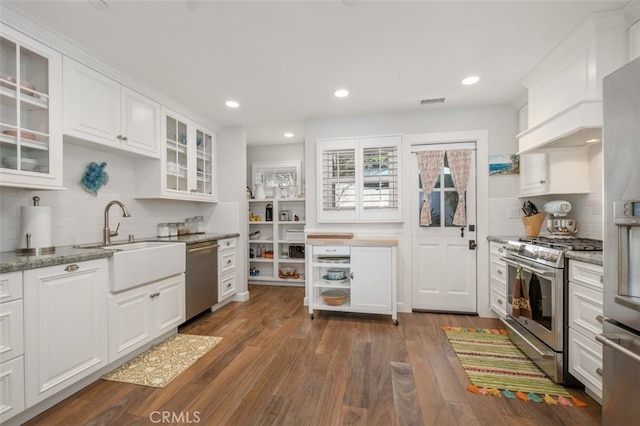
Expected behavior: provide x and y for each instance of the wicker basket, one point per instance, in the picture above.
(334, 297)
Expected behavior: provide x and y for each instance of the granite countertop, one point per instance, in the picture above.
(10, 261)
(594, 257)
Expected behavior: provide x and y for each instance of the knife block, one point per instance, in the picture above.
(532, 224)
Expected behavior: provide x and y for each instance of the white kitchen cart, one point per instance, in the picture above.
(370, 275)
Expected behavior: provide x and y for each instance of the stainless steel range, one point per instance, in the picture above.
(539, 263)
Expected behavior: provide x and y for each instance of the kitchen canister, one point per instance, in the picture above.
(36, 231)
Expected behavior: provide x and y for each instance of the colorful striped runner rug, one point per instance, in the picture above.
(496, 366)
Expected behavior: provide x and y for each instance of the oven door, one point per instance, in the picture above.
(547, 325)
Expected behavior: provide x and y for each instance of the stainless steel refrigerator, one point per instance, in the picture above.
(621, 246)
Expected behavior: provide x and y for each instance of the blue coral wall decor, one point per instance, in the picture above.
(94, 177)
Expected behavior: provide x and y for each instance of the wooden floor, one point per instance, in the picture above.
(276, 366)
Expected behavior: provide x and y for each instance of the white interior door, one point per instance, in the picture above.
(443, 254)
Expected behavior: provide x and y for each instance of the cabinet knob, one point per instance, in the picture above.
(599, 371)
(542, 181)
(229, 262)
(119, 137)
(500, 272)
(124, 138)
(500, 250)
(72, 268)
(499, 301)
(599, 318)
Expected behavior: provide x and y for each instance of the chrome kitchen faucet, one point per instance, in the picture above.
(107, 233)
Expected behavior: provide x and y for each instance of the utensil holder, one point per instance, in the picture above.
(532, 224)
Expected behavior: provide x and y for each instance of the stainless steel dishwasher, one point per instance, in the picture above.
(201, 277)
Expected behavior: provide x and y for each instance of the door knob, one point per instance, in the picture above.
(472, 244)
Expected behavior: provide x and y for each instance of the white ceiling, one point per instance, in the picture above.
(283, 60)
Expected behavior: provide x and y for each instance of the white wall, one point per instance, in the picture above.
(501, 124)
(78, 216)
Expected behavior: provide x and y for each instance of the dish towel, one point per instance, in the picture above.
(535, 297)
(520, 306)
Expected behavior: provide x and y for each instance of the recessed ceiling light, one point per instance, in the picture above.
(232, 104)
(471, 80)
(341, 93)
(288, 135)
(99, 4)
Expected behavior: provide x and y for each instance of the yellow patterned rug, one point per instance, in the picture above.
(165, 361)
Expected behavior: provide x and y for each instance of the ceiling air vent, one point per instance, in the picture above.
(431, 101)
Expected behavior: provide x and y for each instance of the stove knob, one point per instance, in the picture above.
(553, 257)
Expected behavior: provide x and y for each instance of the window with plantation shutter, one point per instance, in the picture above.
(359, 179)
(339, 179)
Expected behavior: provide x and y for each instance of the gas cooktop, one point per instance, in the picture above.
(564, 243)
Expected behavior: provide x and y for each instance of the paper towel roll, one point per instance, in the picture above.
(36, 220)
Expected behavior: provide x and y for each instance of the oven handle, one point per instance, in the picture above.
(527, 268)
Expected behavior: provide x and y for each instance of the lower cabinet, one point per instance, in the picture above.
(65, 324)
(227, 268)
(585, 322)
(139, 315)
(11, 346)
(497, 279)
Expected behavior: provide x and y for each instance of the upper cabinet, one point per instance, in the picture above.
(565, 88)
(187, 167)
(554, 171)
(30, 112)
(359, 179)
(99, 110)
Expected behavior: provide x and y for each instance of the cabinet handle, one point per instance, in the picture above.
(72, 268)
(599, 371)
(152, 295)
(351, 275)
(542, 181)
(499, 271)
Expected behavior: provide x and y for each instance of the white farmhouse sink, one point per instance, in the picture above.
(135, 264)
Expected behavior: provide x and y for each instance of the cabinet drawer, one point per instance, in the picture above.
(585, 361)
(585, 309)
(227, 244)
(10, 286)
(332, 250)
(497, 270)
(586, 273)
(496, 249)
(227, 262)
(11, 330)
(12, 384)
(497, 301)
(227, 287)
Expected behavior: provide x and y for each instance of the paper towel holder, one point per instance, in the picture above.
(34, 251)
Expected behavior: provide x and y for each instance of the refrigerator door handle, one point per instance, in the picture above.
(612, 341)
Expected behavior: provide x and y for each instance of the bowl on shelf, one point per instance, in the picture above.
(288, 271)
(27, 164)
(335, 274)
(334, 297)
(23, 134)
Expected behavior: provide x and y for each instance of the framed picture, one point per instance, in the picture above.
(504, 164)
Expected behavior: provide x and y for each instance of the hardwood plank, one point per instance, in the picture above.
(405, 400)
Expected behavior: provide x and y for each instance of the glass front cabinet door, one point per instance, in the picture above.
(30, 96)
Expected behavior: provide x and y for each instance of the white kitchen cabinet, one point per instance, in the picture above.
(585, 322)
(359, 179)
(139, 315)
(65, 325)
(101, 111)
(497, 279)
(11, 346)
(369, 283)
(554, 171)
(187, 167)
(227, 283)
(30, 112)
(269, 250)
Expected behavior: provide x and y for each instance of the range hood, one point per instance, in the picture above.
(579, 125)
